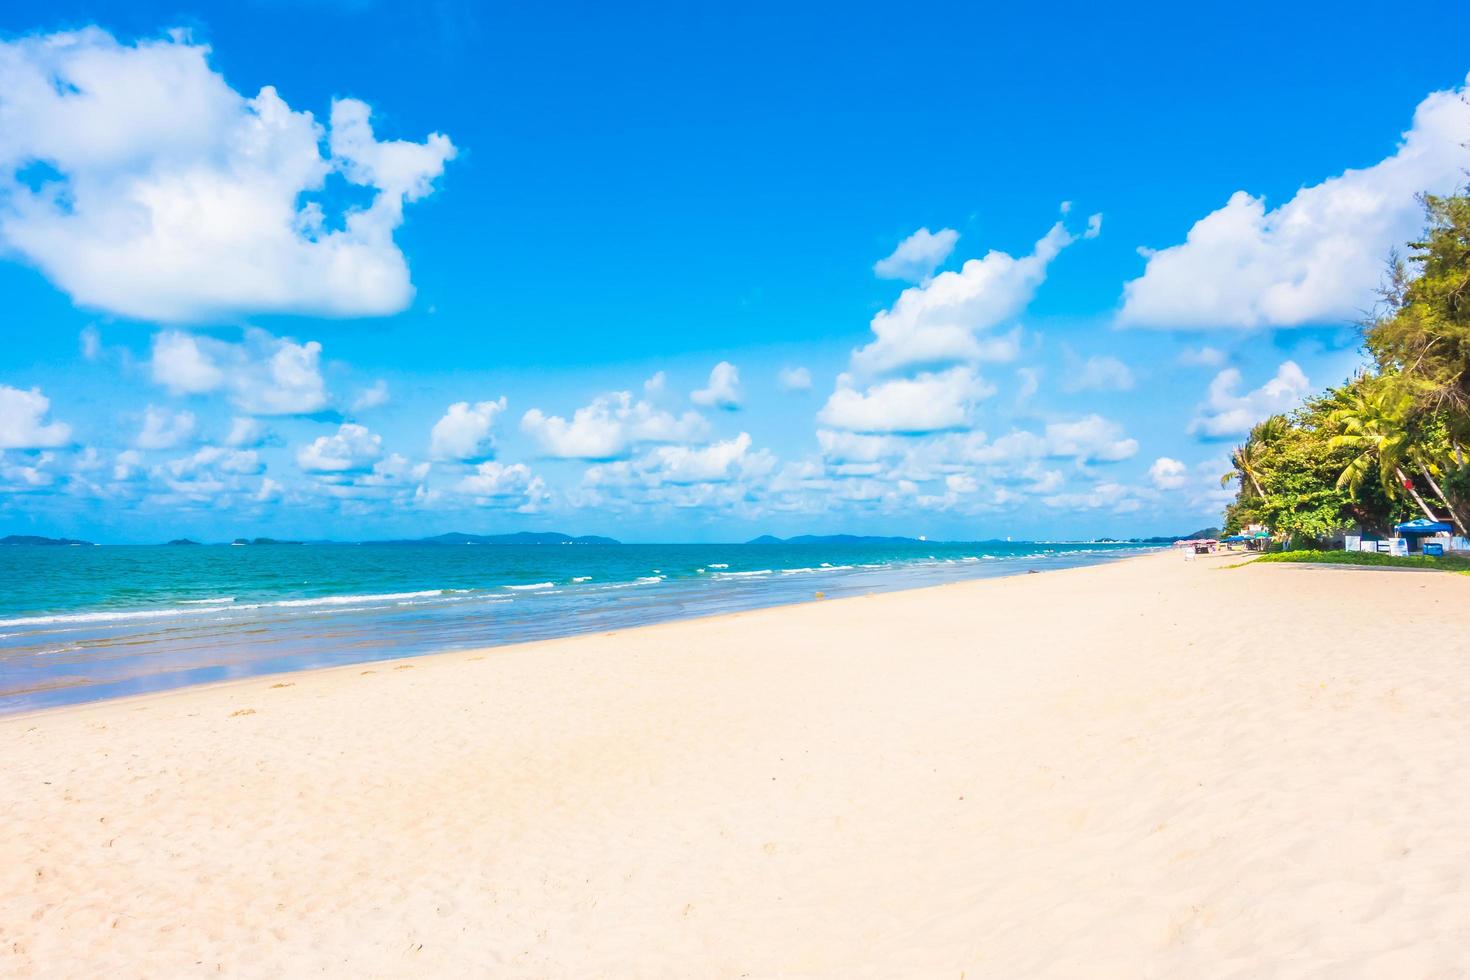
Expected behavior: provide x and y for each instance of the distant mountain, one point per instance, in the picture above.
(35, 539)
(251, 541)
(520, 537)
(835, 539)
(177, 541)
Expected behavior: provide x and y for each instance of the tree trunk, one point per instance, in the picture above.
(1415, 494)
(1454, 514)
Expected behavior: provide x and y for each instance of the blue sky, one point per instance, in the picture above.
(970, 272)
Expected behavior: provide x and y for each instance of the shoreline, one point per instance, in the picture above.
(672, 606)
(1148, 766)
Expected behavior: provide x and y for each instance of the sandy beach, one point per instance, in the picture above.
(1153, 768)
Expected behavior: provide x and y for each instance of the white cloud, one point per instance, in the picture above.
(795, 379)
(676, 474)
(1089, 439)
(1115, 497)
(493, 483)
(22, 420)
(918, 255)
(707, 464)
(30, 475)
(723, 389)
(351, 449)
(175, 198)
(1100, 373)
(232, 461)
(245, 433)
(1202, 357)
(942, 320)
(1316, 259)
(1226, 413)
(264, 375)
(465, 431)
(929, 402)
(1168, 474)
(373, 396)
(91, 343)
(609, 428)
(163, 429)
(182, 366)
(1030, 384)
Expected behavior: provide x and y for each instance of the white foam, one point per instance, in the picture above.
(718, 565)
(756, 574)
(532, 588)
(582, 578)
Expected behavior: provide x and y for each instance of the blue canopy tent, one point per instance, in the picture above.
(1420, 528)
(1423, 526)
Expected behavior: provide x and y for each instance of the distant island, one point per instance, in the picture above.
(836, 539)
(1211, 532)
(178, 541)
(36, 539)
(519, 537)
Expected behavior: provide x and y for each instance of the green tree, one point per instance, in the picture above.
(1423, 334)
(1375, 424)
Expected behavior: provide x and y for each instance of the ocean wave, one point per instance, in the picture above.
(648, 580)
(715, 564)
(582, 578)
(205, 607)
(225, 600)
(537, 587)
(755, 574)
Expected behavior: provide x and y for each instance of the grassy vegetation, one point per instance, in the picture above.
(1449, 563)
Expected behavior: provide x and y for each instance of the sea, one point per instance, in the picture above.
(84, 623)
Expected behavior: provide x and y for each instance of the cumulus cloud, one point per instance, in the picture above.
(675, 468)
(499, 483)
(794, 379)
(1315, 259)
(1226, 413)
(918, 255)
(1100, 373)
(1168, 474)
(714, 463)
(351, 449)
(246, 433)
(465, 431)
(373, 396)
(609, 428)
(169, 196)
(163, 429)
(210, 469)
(264, 375)
(1090, 439)
(946, 320)
(23, 422)
(1202, 357)
(1118, 498)
(723, 389)
(930, 402)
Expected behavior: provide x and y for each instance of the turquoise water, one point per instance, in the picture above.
(84, 623)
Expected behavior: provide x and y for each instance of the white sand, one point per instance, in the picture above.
(1155, 768)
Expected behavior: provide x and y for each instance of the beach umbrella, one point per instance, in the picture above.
(1422, 526)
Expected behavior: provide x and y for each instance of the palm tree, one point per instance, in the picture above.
(1246, 458)
(1374, 423)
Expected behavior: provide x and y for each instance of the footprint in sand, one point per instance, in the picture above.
(242, 711)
